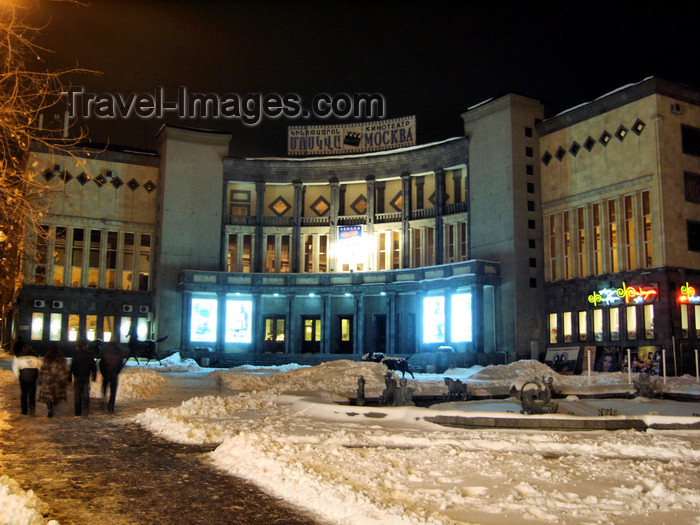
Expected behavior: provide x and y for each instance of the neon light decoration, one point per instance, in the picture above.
(629, 294)
(688, 295)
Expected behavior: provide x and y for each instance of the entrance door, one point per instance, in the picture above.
(311, 338)
(380, 333)
(274, 335)
(345, 342)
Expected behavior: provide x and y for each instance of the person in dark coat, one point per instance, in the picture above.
(111, 364)
(82, 368)
(53, 379)
(25, 366)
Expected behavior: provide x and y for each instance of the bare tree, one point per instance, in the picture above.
(24, 96)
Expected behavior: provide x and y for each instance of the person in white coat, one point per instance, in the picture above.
(25, 367)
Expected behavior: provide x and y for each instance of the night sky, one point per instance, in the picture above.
(432, 60)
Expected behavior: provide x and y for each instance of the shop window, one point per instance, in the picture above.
(124, 328)
(553, 328)
(55, 327)
(568, 327)
(461, 318)
(91, 327)
(37, 333)
(684, 321)
(274, 335)
(311, 335)
(631, 322)
(203, 319)
(598, 324)
(649, 321)
(614, 314)
(582, 326)
(107, 327)
(142, 328)
(239, 324)
(73, 327)
(696, 309)
(434, 319)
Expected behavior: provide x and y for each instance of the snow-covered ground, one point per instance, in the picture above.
(290, 430)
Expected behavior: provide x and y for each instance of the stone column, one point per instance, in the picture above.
(371, 200)
(296, 225)
(333, 225)
(406, 209)
(259, 256)
(439, 211)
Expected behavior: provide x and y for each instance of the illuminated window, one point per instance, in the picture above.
(128, 262)
(646, 230)
(597, 253)
(461, 321)
(59, 261)
(91, 327)
(203, 319)
(142, 328)
(649, 321)
(247, 255)
(629, 232)
(77, 257)
(107, 327)
(612, 236)
(144, 262)
(631, 322)
(41, 256)
(270, 255)
(567, 246)
(581, 241)
(309, 253)
(124, 328)
(111, 268)
(598, 324)
(552, 248)
(553, 328)
(395, 250)
(284, 254)
(55, 327)
(582, 327)
(73, 327)
(430, 246)
(568, 327)
(323, 253)
(239, 325)
(434, 319)
(381, 251)
(684, 321)
(416, 256)
(614, 314)
(37, 333)
(94, 258)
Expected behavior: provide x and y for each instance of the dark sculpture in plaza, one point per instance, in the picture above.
(456, 390)
(398, 364)
(144, 349)
(536, 396)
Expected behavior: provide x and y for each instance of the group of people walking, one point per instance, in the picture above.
(52, 375)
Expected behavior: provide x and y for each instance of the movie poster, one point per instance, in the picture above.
(562, 360)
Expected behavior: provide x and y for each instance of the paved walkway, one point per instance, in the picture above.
(105, 469)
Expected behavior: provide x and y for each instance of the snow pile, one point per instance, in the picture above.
(173, 363)
(19, 506)
(134, 383)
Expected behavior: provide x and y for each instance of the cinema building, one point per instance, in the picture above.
(483, 249)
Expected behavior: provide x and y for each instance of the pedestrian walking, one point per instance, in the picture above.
(53, 379)
(25, 366)
(82, 369)
(111, 363)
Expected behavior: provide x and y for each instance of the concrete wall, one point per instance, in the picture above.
(500, 227)
(189, 217)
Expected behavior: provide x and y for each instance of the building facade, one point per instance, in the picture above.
(576, 233)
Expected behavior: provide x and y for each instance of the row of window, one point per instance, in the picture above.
(91, 258)
(628, 323)
(71, 327)
(602, 237)
(352, 252)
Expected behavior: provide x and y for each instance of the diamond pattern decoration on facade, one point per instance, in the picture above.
(621, 133)
(280, 206)
(431, 199)
(397, 202)
(149, 186)
(359, 206)
(638, 127)
(575, 148)
(560, 153)
(546, 158)
(589, 143)
(320, 206)
(117, 183)
(65, 176)
(100, 180)
(48, 175)
(605, 138)
(133, 184)
(83, 178)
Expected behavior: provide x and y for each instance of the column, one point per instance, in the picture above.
(325, 323)
(257, 328)
(258, 253)
(296, 226)
(359, 323)
(291, 335)
(220, 346)
(223, 252)
(439, 211)
(371, 200)
(333, 232)
(406, 209)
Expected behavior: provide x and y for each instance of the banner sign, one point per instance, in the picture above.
(641, 294)
(359, 137)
